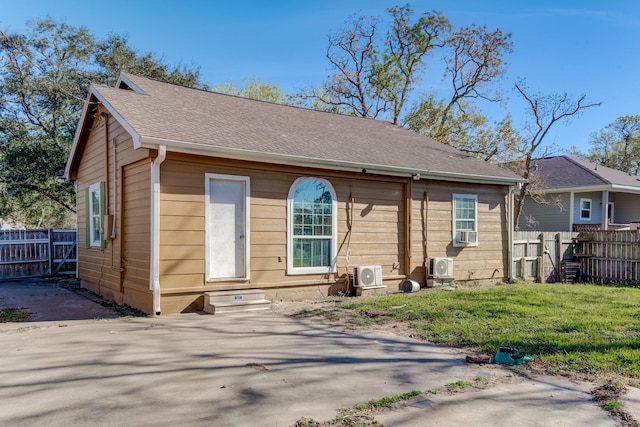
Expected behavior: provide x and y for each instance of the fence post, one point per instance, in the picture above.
(559, 257)
(51, 250)
(541, 260)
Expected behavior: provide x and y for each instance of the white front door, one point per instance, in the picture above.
(227, 230)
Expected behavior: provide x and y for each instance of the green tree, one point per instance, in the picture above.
(257, 89)
(44, 75)
(114, 54)
(616, 146)
(466, 128)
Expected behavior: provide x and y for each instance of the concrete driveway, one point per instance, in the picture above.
(262, 369)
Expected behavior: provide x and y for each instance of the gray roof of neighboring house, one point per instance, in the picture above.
(216, 124)
(566, 173)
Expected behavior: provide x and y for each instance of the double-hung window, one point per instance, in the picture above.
(95, 215)
(465, 220)
(312, 227)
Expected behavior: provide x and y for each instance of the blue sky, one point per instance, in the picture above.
(579, 47)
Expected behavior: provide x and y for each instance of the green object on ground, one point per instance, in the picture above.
(510, 356)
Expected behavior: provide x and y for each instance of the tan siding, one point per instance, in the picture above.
(377, 234)
(136, 229)
(98, 269)
(487, 261)
(102, 271)
(377, 224)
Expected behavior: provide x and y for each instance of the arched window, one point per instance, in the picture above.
(312, 227)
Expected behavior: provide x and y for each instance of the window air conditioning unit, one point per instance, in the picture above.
(369, 276)
(442, 267)
(467, 236)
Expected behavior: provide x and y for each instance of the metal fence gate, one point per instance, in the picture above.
(37, 253)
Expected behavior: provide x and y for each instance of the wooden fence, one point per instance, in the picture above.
(540, 256)
(37, 253)
(610, 256)
(594, 256)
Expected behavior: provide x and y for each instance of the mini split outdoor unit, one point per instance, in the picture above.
(441, 268)
(369, 276)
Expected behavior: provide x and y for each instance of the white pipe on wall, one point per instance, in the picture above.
(510, 232)
(154, 282)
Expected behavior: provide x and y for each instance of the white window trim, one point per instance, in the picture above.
(291, 270)
(247, 225)
(454, 234)
(95, 242)
(588, 210)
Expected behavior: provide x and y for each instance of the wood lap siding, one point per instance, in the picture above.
(377, 233)
(136, 213)
(487, 261)
(103, 270)
(377, 224)
(95, 265)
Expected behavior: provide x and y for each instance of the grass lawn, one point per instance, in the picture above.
(570, 329)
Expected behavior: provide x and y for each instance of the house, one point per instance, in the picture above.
(570, 194)
(183, 191)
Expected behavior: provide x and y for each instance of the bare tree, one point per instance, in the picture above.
(475, 62)
(406, 45)
(375, 76)
(352, 54)
(546, 111)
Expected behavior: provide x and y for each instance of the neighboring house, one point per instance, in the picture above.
(569, 194)
(183, 191)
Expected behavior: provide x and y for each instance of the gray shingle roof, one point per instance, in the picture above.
(218, 122)
(565, 172)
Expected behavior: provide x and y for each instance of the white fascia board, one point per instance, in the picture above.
(595, 188)
(128, 82)
(239, 154)
(85, 109)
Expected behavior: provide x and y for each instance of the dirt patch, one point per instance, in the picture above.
(330, 312)
(607, 395)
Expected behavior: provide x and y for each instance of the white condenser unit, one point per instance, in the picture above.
(369, 276)
(467, 236)
(442, 267)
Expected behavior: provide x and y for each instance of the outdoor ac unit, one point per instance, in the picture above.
(467, 236)
(442, 267)
(369, 276)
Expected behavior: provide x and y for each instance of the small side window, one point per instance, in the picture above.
(95, 215)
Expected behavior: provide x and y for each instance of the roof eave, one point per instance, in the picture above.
(609, 187)
(239, 154)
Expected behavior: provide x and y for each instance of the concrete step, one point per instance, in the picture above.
(235, 301)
